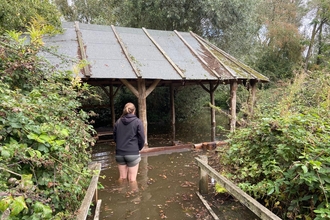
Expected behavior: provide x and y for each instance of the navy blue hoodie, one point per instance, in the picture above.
(128, 134)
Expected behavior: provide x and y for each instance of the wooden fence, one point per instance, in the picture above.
(206, 171)
(91, 192)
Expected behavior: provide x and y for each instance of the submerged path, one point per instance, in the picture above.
(167, 186)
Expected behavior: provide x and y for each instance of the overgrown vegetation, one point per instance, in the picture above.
(282, 156)
(43, 138)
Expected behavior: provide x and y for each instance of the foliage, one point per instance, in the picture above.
(15, 15)
(43, 138)
(319, 11)
(232, 25)
(281, 49)
(282, 157)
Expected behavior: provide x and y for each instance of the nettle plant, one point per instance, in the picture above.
(282, 157)
(44, 136)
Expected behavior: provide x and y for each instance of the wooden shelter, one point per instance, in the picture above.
(142, 59)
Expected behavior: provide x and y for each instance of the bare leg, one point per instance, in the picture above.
(123, 170)
(132, 173)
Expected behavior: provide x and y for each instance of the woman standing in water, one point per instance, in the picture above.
(128, 134)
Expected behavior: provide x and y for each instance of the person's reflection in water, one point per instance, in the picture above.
(128, 134)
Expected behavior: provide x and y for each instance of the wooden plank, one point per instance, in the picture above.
(203, 177)
(84, 208)
(104, 133)
(97, 209)
(258, 209)
(208, 207)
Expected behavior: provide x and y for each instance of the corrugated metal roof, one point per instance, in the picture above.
(130, 53)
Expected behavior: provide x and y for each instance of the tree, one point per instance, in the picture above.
(281, 49)
(16, 15)
(231, 25)
(319, 10)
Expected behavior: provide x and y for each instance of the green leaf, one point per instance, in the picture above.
(304, 168)
(18, 205)
(60, 142)
(5, 202)
(45, 211)
(42, 148)
(270, 191)
(5, 153)
(65, 132)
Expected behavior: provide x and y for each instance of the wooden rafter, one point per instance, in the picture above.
(135, 69)
(214, 56)
(83, 56)
(165, 55)
(196, 54)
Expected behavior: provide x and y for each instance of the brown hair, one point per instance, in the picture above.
(128, 109)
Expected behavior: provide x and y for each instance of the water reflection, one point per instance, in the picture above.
(166, 184)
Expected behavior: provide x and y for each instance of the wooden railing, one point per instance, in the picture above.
(91, 192)
(206, 171)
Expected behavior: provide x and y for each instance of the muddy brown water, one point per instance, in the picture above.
(166, 189)
(167, 180)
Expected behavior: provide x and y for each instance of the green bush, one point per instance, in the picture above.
(43, 137)
(282, 157)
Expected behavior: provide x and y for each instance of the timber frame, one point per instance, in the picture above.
(142, 60)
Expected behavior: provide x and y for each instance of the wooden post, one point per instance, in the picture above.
(92, 189)
(141, 93)
(233, 89)
(245, 199)
(172, 113)
(211, 91)
(203, 177)
(213, 122)
(142, 100)
(252, 95)
(112, 106)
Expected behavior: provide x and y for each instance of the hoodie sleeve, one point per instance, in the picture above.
(140, 134)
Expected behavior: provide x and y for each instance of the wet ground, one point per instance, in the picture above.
(166, 189)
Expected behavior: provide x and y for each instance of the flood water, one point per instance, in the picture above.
(167, 183)
(167, 186)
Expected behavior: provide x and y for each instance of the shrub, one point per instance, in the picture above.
(282, 157)
(43, 137)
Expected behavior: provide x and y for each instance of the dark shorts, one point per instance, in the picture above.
(129, 160)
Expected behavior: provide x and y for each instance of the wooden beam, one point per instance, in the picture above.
(208, 207)
(97, 210)
(252, 95)
(172, 100)
(211, 91)
(152, 87)
(136, 71)
(92, 189)
(258, 209)
(196, 54)
(233, 90)
(143, 107)
(165, 55)
(214, 56)
(130, 87)
(203, 177)
(213, 122)
(83, 56)
(112, 104)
